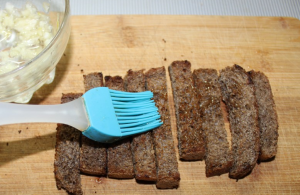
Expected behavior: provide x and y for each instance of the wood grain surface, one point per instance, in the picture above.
(114, 44)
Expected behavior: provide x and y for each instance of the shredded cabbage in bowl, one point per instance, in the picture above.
(24, 33)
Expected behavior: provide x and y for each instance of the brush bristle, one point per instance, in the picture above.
(136, 112)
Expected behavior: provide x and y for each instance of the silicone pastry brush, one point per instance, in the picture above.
(103, 114)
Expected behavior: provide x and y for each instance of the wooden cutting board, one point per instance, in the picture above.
(114, 44)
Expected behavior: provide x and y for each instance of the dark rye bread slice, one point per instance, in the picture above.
(218, 157)
(238, 95)
(167, 166)
(119, 156)
(267, 116)
(142, 145)
(92, 80)
(92, 154)
(189, 131)
(67, 150)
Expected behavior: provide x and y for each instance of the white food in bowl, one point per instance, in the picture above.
(19, 84)
(24, 33)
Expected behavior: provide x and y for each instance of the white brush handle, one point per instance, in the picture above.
(72, 113)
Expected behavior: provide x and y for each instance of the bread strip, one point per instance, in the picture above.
(189, 131)
(119, 154)
(92, 154)
(67, 150)
(218, 158)
(142, 145)
(267, 116)
(167, 167)
(238, 95)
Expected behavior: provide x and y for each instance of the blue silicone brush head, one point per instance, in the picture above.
(114, 115)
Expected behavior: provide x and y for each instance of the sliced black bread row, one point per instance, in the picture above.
(189, 130)
(167, 166)
(142, 144)
(251, 112)
(249, 94)
(77, 154)
(238, 95)
(119, 156)
(93, 155)
(67, 154)
(267, 116)
(147, 157)
(218, 156)
(150, 161)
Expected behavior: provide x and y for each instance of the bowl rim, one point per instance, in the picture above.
(65, 18)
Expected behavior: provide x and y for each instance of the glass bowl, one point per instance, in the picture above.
(19, 84)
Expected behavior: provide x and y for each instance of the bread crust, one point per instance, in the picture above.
(238, 94)
(142, 145)
(67, 151)
(119, 156)
(218, 157)
(167, 166)
(267, 116)
(189, 131)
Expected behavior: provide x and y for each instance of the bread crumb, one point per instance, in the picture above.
(164, 40)
(20, 131)
(165, 59)
(98, 180)
(81, 70)
(7, 144)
